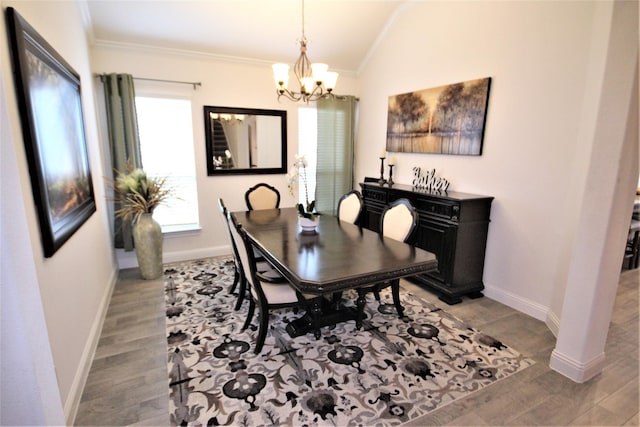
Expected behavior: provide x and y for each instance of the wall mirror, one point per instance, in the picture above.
(245, 140)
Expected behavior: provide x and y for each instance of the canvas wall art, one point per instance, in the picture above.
(48, 92)
(441, 120)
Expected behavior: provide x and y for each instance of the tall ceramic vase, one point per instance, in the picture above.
(147, 237)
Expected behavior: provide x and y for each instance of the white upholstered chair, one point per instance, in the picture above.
(350, 207)
(266, 293)
(262, 196)
(399, 220)
(262, 265)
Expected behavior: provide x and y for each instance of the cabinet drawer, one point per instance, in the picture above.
(377, 195)
(450, 211)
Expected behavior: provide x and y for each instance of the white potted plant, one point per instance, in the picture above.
(307, 215)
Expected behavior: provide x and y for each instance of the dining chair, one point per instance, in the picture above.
(350, 207)
(236, 263)
(267, 293)
(262, 196)
(632, 251)
(398, 221)
(262, 265)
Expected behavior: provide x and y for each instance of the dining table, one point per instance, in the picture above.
(336, 257)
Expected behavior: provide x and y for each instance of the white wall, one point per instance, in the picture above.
(547, 61)
(224, 84)
(71, 289)
(530, 143)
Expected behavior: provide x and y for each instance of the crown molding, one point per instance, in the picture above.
(109, 44)
(399, 10)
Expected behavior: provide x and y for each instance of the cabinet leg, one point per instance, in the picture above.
(451, 300)
(475, 295)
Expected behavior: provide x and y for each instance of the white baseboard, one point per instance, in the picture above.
(128, 259)
(80, 379)
(575, 370)
(533, 309)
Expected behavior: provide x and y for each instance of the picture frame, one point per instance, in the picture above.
(48, 95)
(446, 119)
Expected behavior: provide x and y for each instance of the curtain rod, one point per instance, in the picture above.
(194, 84)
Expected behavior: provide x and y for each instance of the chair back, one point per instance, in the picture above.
(223, 212)
(227, 226)
(350, 207)
(262, 196)
(399, 219)
(244, 252)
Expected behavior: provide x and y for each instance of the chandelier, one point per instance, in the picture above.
(314, 80)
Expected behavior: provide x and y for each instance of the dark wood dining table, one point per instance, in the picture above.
(337, 257)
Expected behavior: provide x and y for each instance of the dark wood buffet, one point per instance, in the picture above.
(452, 225)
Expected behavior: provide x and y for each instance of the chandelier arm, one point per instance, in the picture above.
(290, 95)
(311, 80)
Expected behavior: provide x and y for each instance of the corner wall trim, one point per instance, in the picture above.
(575, 370)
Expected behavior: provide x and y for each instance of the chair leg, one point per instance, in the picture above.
(241, 292)
(360, 302)
(635, 257)
(377, 295)
(252, 307)
(262, 329)
(395, 292)
(236, 279)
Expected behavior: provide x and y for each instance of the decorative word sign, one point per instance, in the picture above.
(429, 181)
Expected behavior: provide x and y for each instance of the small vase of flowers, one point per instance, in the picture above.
(307, 215)
(138, 196)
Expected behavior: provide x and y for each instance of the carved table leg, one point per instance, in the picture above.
(316, 312)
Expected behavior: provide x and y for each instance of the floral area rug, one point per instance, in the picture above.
(391, 371)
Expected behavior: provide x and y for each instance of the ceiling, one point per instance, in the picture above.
(340, 32)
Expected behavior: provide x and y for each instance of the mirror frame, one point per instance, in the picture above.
(212, 171)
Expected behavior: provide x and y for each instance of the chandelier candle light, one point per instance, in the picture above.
(315, 80)
(392, 163)
(383, 155)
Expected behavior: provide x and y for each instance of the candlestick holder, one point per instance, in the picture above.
(390, 181)
(382, 181)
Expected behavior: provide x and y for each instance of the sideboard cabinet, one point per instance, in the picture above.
(452, 225)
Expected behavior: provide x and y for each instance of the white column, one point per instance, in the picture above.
(606, 204)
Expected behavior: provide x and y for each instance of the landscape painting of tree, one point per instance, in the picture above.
(443, 120)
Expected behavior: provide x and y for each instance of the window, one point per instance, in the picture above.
(165, 126)
(307, 144)
(326, 138)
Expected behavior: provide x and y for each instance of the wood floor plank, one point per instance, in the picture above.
(128, 380)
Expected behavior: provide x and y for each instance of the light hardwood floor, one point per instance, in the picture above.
(127, 384)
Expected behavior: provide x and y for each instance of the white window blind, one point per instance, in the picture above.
(334, 173)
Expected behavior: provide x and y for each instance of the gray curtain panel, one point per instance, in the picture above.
(336, 135)
(124, 140)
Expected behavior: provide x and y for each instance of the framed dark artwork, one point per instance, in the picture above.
(48, 92)
(442, 120)
(245, 140)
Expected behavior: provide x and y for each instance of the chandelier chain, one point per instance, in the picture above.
(304, 37)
